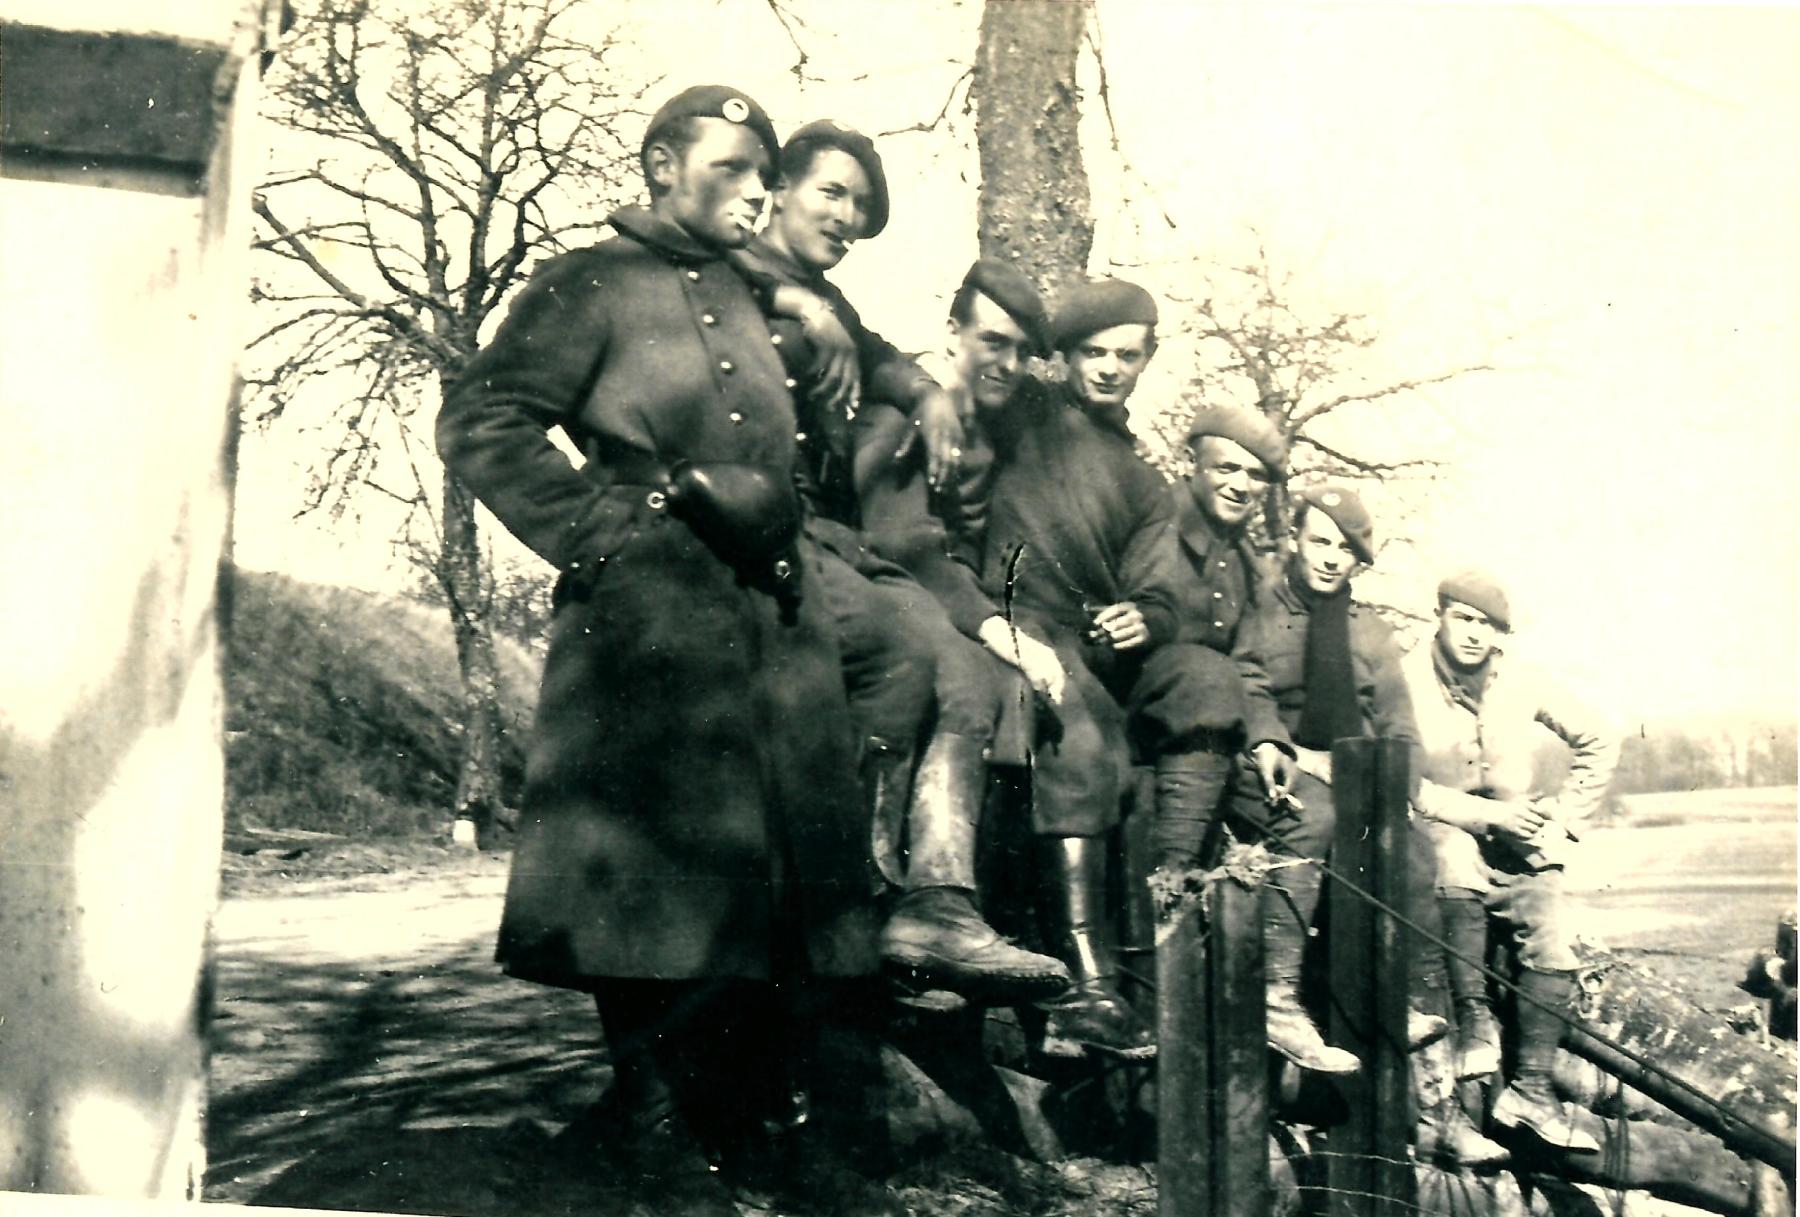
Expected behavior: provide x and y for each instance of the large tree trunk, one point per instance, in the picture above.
(1034, 208)
(478, 803)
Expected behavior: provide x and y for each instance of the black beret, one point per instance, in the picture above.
(1007, 286)
(715, 101)
(827, 133)
(1346, 511)
(1091, 307)
(1481, 592)
(1246, 428)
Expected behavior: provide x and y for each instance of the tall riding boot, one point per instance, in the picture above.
(1091, 1016)
(1285, 920)
(1189, 787)
(885, 773)
(1477, 1032)
(936, 938)
(1531, 1100)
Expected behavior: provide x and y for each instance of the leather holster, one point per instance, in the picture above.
(749, 515)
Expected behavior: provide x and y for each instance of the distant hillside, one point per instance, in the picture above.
(341, 710)
(1698, 806)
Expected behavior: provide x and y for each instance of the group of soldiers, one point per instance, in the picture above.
(815, 594)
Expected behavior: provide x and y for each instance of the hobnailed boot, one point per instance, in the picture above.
(1477, 1032)
(1531, 1101)
(1291, 1030)
(1091, 1016)
(936, 940)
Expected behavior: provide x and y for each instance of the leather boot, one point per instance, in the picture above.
(1531, 1101)
(885, 773)
(1291, 1030)
(1477, 1032)
(1444, 1130)
(936, 940)
(1090, 1016)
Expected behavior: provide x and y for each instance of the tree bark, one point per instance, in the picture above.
(478, 791)
(1035, 209)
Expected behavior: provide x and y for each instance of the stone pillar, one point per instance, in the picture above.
(123, 290)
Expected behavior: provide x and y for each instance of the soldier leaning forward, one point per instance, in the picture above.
(691, 818)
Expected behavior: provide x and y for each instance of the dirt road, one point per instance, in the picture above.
(367, 1052)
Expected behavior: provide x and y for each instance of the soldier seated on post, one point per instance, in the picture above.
(1500, 841)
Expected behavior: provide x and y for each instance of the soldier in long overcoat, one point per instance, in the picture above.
(690, 811)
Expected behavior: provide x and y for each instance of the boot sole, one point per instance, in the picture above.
(1073, 1050)
(1516, 1122)
(921, 972)
(1315, 1068)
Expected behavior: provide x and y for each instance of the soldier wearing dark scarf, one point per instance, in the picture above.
(1333, 671)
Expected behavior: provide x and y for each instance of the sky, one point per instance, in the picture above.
(1598, 201)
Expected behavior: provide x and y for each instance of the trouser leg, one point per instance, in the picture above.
(1545, 1001)
(1428, 984)
(1190, 786)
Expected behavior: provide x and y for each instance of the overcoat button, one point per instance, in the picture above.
(694, 276)
(727, 367)
(790, 382)
(708, 319)
(735, 417)
(775, 338)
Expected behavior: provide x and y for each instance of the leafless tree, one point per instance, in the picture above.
(434, 151)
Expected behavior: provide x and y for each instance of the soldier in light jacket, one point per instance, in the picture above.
(1500, 842)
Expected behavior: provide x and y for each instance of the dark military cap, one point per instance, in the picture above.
(714, 101)
(1007, 286)
(828, 133)
(1247, 428)
(1346, 511)
(1099, 305)
(1481, 592)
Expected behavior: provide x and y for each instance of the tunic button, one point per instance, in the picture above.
(799, 437)
(735, 417)
(1218, 625)
(1218, 595)
(790, 382)
(775, 338)
(727, 367)
(694, 275)
(708, 319)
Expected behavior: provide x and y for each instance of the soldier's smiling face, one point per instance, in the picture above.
(1104, 367)
(817, 217)
(990, 349)
(1327, 559)
(1466, 635)
(716, 186)
(1229, 480)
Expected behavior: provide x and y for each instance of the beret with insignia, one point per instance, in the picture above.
(715, 101)
(1007, 286)
(1346, 510)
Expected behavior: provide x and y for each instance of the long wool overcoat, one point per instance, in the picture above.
(690, 802)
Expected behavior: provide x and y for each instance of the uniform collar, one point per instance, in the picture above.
(1285, 593)
(1199, 533)
(1109, 418)
(763, 255)
(663, 235)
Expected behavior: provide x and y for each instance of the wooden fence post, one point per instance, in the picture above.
(1212, 1059)
(1367, 1171)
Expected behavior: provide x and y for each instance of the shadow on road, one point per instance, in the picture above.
(419, 1085)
